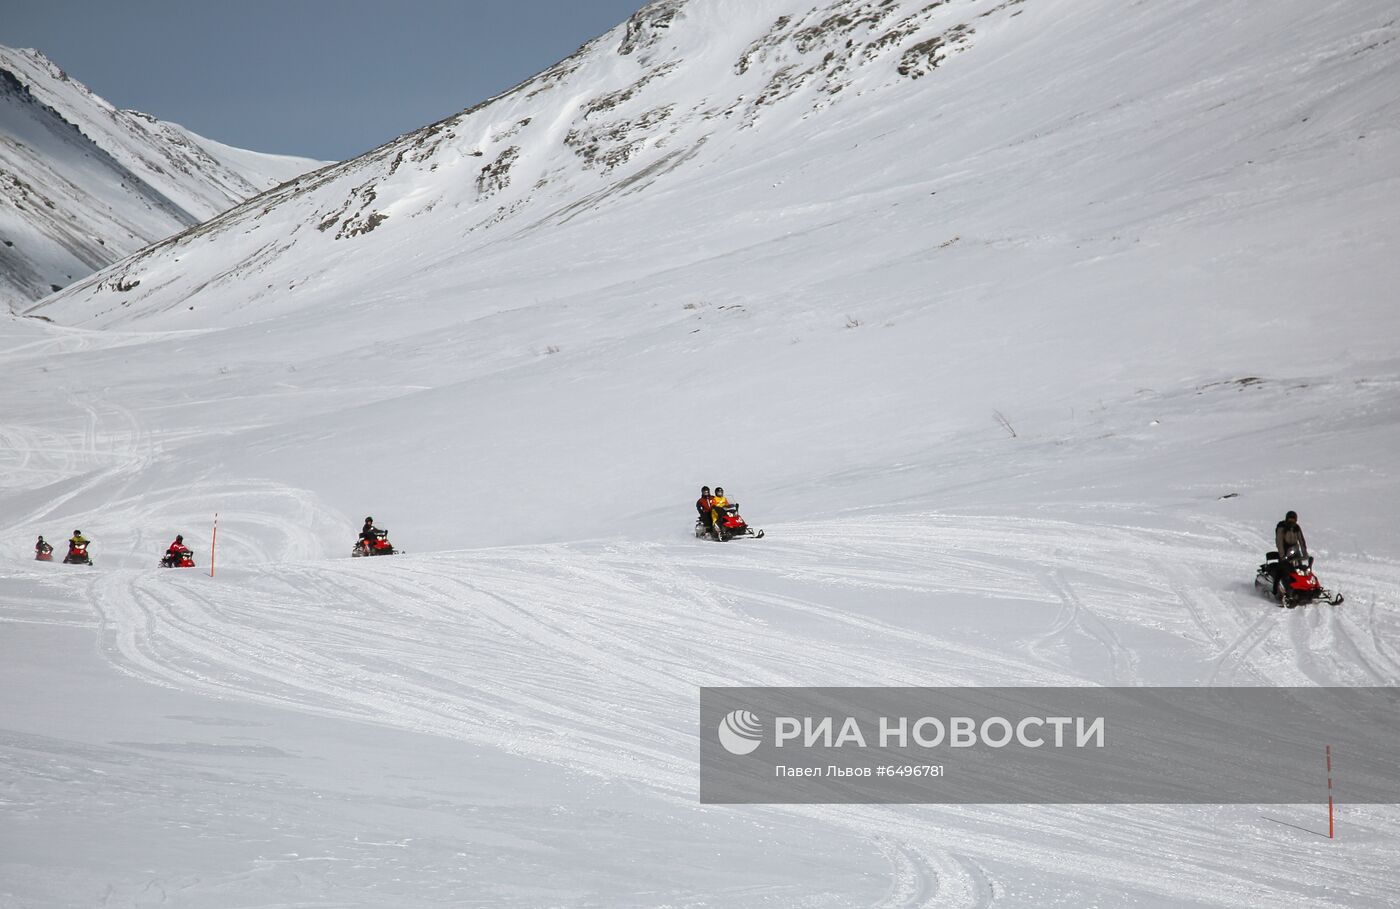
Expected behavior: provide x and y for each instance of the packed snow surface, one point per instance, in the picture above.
(1016, 325)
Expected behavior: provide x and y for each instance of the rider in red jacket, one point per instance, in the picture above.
(705, 506)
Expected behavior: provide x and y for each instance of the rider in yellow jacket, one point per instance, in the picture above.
(717, 505)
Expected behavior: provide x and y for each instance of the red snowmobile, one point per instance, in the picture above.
(177, 559)
(729, 525)
(376, 545)
(1291, 581)
(43, 552)
(77, 554)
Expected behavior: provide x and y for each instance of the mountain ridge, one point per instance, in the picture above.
(603, 122)
(88, 184)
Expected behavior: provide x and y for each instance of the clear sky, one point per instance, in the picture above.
(321, 78)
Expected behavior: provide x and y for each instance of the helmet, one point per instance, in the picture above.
(179, 538)
(719, 490)
(77, 533)
(1291, 516)
(369, 520)
(704, 490)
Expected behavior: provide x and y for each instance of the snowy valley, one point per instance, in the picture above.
(1015, 323)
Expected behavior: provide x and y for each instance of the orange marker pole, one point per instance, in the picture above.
(213, 542)
(1331, 818)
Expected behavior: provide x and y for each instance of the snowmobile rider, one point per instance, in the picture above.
(178, 548)
(367, 534)
(1288, 536)
(703, 506)
(77, 540)
(1292, 546)
(41, 547)
(717, 506)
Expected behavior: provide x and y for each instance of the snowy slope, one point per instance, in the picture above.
(85, 184)
(1017, 357)
(1063, 210)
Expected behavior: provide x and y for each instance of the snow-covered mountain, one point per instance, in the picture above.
(83, 184)
(682, 90)
(820, 196)
(1017, 325)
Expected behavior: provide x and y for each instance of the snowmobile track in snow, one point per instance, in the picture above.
(519, 648)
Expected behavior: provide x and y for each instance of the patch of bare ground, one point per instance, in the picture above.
(495, 176)
(612, 144)
(646, 26)
(924, 57)
(613, 99)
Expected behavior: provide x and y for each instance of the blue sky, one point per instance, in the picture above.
(322, 78)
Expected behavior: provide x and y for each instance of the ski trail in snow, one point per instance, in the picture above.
(1238, 651)
(110, 445)
(589, 656)
(914, 882)
(1077, 616)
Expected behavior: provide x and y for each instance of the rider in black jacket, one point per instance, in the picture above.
(1289, 536)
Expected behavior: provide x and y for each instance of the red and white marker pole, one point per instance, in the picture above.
(1331, 818)
(214, 542)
